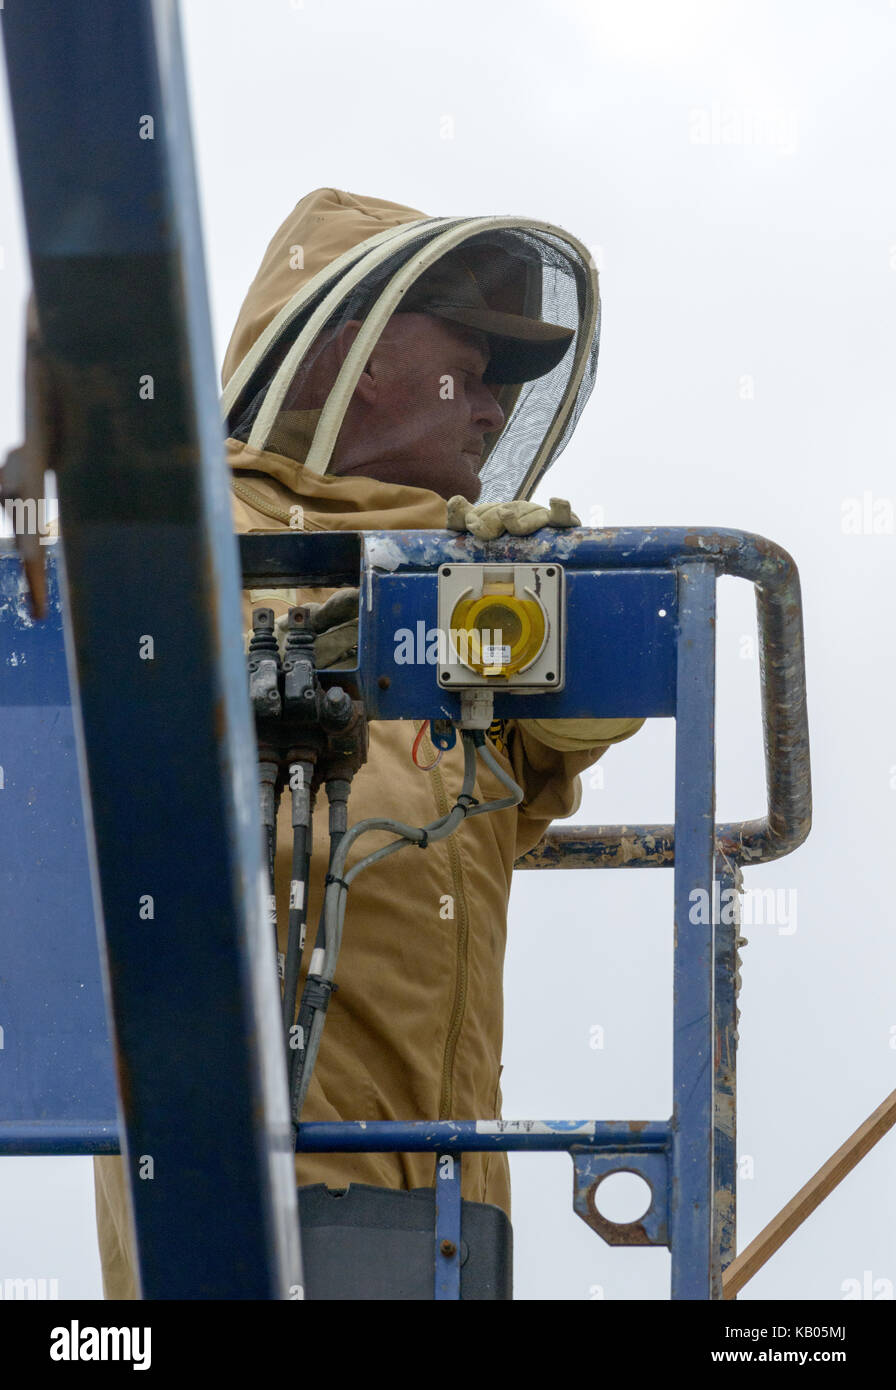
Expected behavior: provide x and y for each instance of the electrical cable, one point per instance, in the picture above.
(338, 882)
(268, 816)
(298, 908)
(424, 767)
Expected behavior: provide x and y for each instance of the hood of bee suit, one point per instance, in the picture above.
(341, 256)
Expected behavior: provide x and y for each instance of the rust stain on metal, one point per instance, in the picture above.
(613, 1232)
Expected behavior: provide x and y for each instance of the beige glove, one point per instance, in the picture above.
(576, 735)
(488, 520)
(336, 622)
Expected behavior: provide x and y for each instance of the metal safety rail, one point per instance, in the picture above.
(641, 618)
(647, 647)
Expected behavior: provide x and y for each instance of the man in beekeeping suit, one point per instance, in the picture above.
(390, 371)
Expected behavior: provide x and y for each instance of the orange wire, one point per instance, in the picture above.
(427, 767)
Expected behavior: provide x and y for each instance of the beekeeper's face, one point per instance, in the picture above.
(420, 410)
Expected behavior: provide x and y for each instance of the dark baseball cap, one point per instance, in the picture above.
(521, 348)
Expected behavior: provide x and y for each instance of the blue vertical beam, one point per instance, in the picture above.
(695, 1268)
(154, 641)
(448, 1226)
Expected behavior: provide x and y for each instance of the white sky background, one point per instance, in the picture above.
(746, 379)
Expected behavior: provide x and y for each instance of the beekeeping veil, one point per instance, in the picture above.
(530, 287)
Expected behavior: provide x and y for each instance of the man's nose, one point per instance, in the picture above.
(486, 411)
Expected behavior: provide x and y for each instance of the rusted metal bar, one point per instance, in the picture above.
(727, 937)
(784, 718)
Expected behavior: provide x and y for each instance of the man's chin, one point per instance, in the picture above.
(469, 484)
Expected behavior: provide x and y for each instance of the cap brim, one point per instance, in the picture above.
(522, 349)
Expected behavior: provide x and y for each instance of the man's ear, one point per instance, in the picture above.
(343, 342)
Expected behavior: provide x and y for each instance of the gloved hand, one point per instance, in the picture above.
(488, 520)
(576, 735)
(336, 622)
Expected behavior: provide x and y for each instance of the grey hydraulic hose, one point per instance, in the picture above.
(338, 881)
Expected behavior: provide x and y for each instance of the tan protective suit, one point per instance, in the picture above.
(414, 1030)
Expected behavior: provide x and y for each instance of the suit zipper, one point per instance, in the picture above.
(260, 502)
(459, 1003)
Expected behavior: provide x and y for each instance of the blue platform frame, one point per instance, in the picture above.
(619, 578)
(149, 552)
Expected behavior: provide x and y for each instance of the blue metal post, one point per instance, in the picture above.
(695, 1266)
(152, 585)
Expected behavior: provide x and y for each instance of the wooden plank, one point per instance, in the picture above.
(773, 1236)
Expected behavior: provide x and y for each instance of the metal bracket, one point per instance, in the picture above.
(589, 1171)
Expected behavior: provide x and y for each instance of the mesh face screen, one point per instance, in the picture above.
(541, 276)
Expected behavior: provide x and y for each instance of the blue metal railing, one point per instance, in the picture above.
(676, 1157)
(688, 1162)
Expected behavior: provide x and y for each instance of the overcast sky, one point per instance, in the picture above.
(731, 166)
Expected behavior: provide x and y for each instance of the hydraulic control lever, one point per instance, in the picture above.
(324, 722)
(308, 734)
